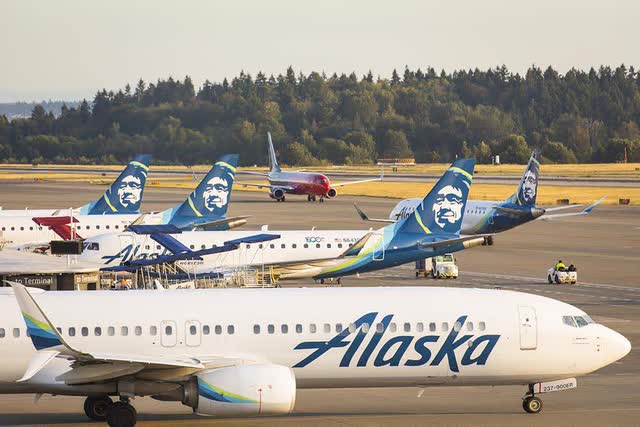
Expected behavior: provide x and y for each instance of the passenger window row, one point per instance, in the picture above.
(21, 228)
(365, 327)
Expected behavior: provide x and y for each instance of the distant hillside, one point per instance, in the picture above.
(21, 110)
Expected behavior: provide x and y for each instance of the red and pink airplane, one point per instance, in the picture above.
(310, 184)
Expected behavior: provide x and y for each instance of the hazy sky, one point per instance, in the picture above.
(70, 49)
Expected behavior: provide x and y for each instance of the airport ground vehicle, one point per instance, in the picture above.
(561, 276)
(444, 267)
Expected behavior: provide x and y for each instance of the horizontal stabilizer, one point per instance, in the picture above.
(357, 247)
(341, 184)
(221, 224)
(155, 229)
(585, 211)
(366, 218)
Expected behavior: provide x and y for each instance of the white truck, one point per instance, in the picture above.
(564, 275)
(444, 267)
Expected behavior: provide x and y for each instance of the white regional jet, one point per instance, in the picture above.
(221, 353)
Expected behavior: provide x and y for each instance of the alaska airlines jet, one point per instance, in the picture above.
(432, 230)
(485, 217)
(220, 353)
(310, 184)
(124, 196)
(205, 209)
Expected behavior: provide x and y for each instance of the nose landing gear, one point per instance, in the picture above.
(530, 403)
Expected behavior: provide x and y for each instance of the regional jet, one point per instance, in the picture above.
(124, 196)
(484, 217)
(310, 184)
(204, 209)
(220, 353)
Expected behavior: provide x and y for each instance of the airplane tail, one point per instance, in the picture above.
(528, 188)
(124, 196)
(442, 210)
(211, 197)
(273, 161)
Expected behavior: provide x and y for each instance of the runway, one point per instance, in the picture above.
(605, 246)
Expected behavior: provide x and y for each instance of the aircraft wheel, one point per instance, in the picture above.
(557, 279)
(121, 414)
(339, 281)
(96, 407)
(490, 240)
(322, 281)
(321, 199)
(549, 279)
(532, 404)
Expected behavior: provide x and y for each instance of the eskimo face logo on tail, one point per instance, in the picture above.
(529, 186)
(216, 193)
(367, 339)
(447, 209)
(130, 191)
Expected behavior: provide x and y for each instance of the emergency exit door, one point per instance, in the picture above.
(528, 328)
(192, 333)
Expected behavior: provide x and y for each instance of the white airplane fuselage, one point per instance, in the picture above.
(329, 337)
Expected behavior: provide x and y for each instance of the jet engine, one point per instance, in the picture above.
(331, 193)
(277, 193)
(239, 391)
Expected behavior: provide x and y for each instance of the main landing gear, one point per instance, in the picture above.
(311, 198)
(282, 199)
(531, 403)
(121, 414)
(96, 407)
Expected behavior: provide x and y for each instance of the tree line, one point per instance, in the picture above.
(581, 116)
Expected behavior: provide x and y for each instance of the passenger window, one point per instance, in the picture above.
(231, 329)
(124, 331)
(248, 246)
(318, 245)
(168, 330)
(282, 246)
(256, 329)
(13, 229)
(97, 227)
(306, 245)
(284, 329)
(298, 328)
(147, 247)
(294, 246)
(339, 245)
(338, 327)
(1, 332)
(139, 330)
(193, 330)
(272, 246)
(482, 326)
(393, 327)
(457, 326)
(312, 328)
(57, 329)
(407, 327)
(568, 320)
(16, 332)
(21, 228)
(327, 328)
(260, 246)
(31, 228)
(445, 326)
(111, 331)
(328, 245)
(97, 331)
(271, 329)
(206, 330)
(117, 226)
(203, 246)
(87, 227)
(218, 330)
(379, 327)
(470, 326)
(432, 327)
(365, 328)
(72, 332)
(153, 331)
(84, 331)
(107, 227)
(192, 246)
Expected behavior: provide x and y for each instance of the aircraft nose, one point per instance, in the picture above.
(618, 346)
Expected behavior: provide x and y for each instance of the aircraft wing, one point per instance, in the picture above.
(269, 186)
(88, 366)
(447, 242)
(585, 211)
(366, 218)
(340, 184)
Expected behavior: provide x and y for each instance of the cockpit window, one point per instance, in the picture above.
(577, 321)
(93, 246)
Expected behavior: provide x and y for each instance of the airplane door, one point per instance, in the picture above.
(168, 333)
(192, 333)
(528, 328)
(378, 249)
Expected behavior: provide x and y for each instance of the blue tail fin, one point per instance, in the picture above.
(124, 196)
(273, 161)
(211, 197)
(528, 188)
(442, 210)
